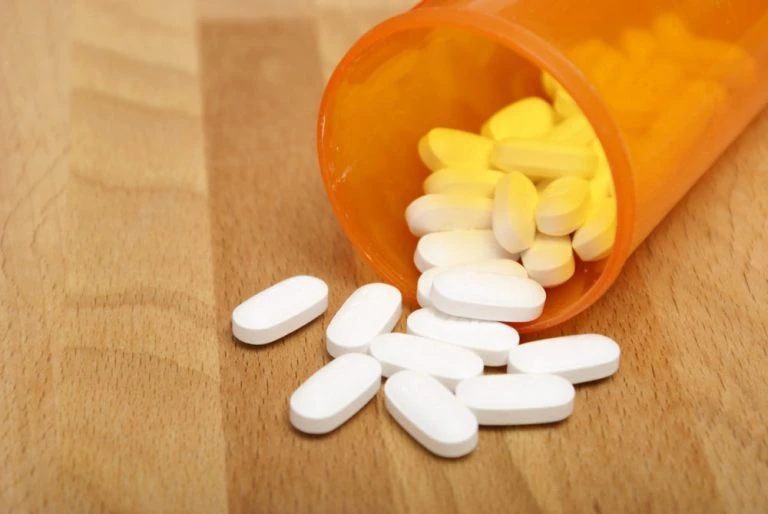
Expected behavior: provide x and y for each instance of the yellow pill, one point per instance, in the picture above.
(463, 182)
(549, 84)
(544, 159)
(565, 105)
(528, 118)
(451, 148)
(514, 208)
(594, 240)
(549, 261)
(563, 206)
(601, 184)
(574, 130)
(637, 44)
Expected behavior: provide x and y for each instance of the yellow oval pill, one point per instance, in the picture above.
(450, 148)
(528, 118)
(564, 104)
(594, 240)
(575, 130)
(549, 261)
(463, 182)
(544, 159)
(514, 208)
(563, 206)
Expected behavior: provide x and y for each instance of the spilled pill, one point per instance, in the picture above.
(549, 261)
(528, 118)
(517, 399)
(502, 266)
(457, 247)
(335, 393)
(563, 206)
(448, 363)
(577, 358)
(488, 296)
(279, 310)
(430, 414)
(449, 148)
(490, 340)
(441, 212)
(372, 310)
(466, 182)
(514, 209)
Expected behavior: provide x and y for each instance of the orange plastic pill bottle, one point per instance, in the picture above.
(667, 85)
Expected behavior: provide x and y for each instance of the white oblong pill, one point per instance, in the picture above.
(514, 210)
(563, 206)
(549, 261)
(457, 247)
(578, 358)
(489, 340)
(502, 266)
(279, 310)
(440, 213)
(489, 296)
(430, 414)
(517, 399)
(371, 310)
(447, 363)
(467, 182)
(335, 393)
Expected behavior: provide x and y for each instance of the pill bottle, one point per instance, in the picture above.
(666, 84)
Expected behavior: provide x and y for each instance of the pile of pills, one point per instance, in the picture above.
(435, 389)
(534, 185)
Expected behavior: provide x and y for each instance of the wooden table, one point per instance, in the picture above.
(157, 166)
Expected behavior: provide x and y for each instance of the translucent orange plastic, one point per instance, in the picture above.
(667, 85)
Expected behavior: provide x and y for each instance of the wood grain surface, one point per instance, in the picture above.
(157, 166)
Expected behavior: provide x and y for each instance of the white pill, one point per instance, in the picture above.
(440, 213)
(594, 239)
(563, 206)
(372, 310)
(514, 209)
(503, 266)
(549, 261)
(335, 393)
(430, 414)
(467, 182)
(489, 296)
(517, 399)
(279, 310)
(447, 363)
(457, 247)
(579, 358)
(490, 340)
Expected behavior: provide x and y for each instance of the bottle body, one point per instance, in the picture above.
(665, 90)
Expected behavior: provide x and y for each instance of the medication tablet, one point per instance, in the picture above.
(549, 84)
(514, 209)
(579, 358)
(466, 182)
(550, 260)
(490, 340)
(430, 414)
(335, 393)
(575, 130)
(447, 363)
(503, 266)
(563, 206)
(544, 159)
(601, 185)
(440, 213)
(528, 118)
(457, 247)
(489, 296)
(372, 310)
(594, 239)
(279, 310)
(517, 399)
(564, 104)
(450, 148)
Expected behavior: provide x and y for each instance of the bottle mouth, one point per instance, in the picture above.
(446, 67)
